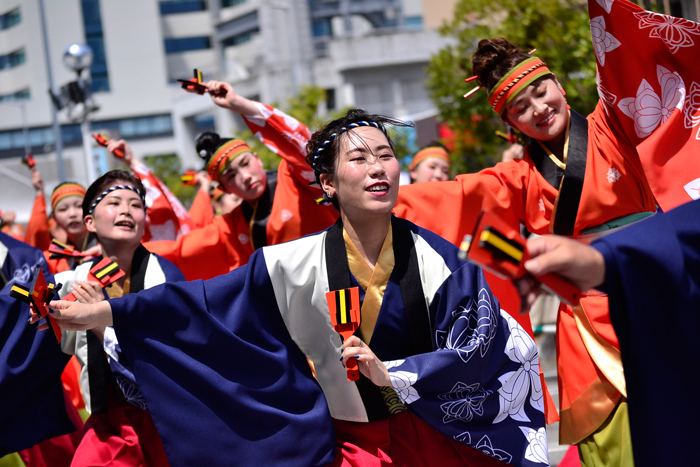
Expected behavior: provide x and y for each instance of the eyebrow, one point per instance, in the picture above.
(365, 150)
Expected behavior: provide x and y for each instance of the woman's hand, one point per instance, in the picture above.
(37, 182)
(369, 364)
(93, 251)
(74, 316)
(129, 159)
(87, 292)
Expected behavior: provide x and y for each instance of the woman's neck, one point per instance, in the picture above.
(78, 241)
(368, 235)
(556, 145)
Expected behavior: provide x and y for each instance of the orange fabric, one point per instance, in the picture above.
(225, 244)
(38, 230)
(201, 211)
(614, 186)
(56, 265)
(71, 383)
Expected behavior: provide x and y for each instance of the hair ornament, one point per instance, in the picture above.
(115, 188)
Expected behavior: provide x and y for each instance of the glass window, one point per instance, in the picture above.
(12, 59)
(239, 38)
(92, 21)
(5, 140)
(413, 22)
(170, 7)
(228, 3)
(9, 19)
(185, 44)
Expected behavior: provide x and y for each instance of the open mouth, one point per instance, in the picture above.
(547, 120)
(378, 188)
(125, 224)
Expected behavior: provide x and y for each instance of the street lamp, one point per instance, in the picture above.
(78, 57)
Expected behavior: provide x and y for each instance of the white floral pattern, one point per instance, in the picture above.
(286, 215)
(517, 385)
(674, 32)
(484, 445)
(243, 238)
(613, 175)
(693, 188)
(471, 329)
(537, 449)
(464, 401)
(606, 4)
(605, 95)
(648, 110)
(402, 382)
(691, 108)
(541, 205)
(603, 41)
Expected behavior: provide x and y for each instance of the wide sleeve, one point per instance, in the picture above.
(222, 377)
(167, 218)
(481, 386)
(33, 406)
(451, 209)
(285, 136)
(648, 71)
(652, 277)
(208, 252)
(37, 232)
(201, 211)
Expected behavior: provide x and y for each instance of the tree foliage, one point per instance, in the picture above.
(558, 29)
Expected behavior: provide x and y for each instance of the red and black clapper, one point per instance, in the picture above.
(38, 296)
(105, 272)
(102, 140)
(60, 250)
(344, 308)
(501, 249)
(29, 160)
(188, 178)
(194, 84)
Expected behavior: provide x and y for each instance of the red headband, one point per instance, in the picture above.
(226, 153)
(425, 153)
(65, 190)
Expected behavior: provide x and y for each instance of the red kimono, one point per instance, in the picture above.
(226, 243)
(615, 185)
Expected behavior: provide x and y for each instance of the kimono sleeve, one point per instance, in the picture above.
(652, 274)
(481, 386)
(201, 211)
(221, 376)
(37, 233)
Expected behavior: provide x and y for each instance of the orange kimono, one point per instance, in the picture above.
(229, 240)
(38, 230)
(201, 211)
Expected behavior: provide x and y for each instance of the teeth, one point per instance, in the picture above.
(377, 188)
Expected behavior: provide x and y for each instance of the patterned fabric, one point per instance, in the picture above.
(657, 104)
(112, 189)
(480, 386)
(425, 153)
(64, 190)
(225, 154)
(166, 217)
(515, 81)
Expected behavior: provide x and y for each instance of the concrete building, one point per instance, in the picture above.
(365, 53)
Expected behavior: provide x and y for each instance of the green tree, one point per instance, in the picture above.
(558, 29)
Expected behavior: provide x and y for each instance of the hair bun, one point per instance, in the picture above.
(207, 143)
(494, 58)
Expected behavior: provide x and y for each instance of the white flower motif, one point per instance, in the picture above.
(674, 32)
(605, 95)
(471, 329)
(693, 188)
(603, 41)
(259, 119)
(464, 438)
(541, 205)
(131, 392)
(393, 364)
(516, 385)
(286, 215)
(465, 401)
(691, 108)
(165, 231)
(243, 238)
(402, 382)
(537, 449)
(606, 4)
(613, 175)
(291, 122)
(484, 445)
(646, 109)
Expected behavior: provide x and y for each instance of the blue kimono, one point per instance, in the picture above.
(652, 277)
(33, 406)
(223, 363)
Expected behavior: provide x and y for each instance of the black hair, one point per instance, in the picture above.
(207, 143)
(107, 179)
(322, 148)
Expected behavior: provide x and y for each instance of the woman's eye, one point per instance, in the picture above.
(357, 159)
(387, 156)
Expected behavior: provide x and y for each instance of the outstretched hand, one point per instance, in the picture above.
(113, 145)
(369, 364)
(581, 264)
(74, 316)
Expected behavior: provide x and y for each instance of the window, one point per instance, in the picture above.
(330, 99)
(239, 38)
(322, 27)
(9, 19)
(186, 44)
(172, 7)
(228, 3)
(413, 22)
(92, 21)
(12, 59)
(16, 96)
(157, 125)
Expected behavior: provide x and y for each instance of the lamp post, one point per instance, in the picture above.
(77, 57)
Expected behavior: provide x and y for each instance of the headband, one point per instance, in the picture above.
(425, 153)
(225, 154)
(115, 188)
(330, 139)
(64, 191)
(517, 79)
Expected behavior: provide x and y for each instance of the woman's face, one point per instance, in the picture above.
(432, 169)
(539, 111)
(119, 217)
(245, 177)
(69, 216)
(366, 179)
